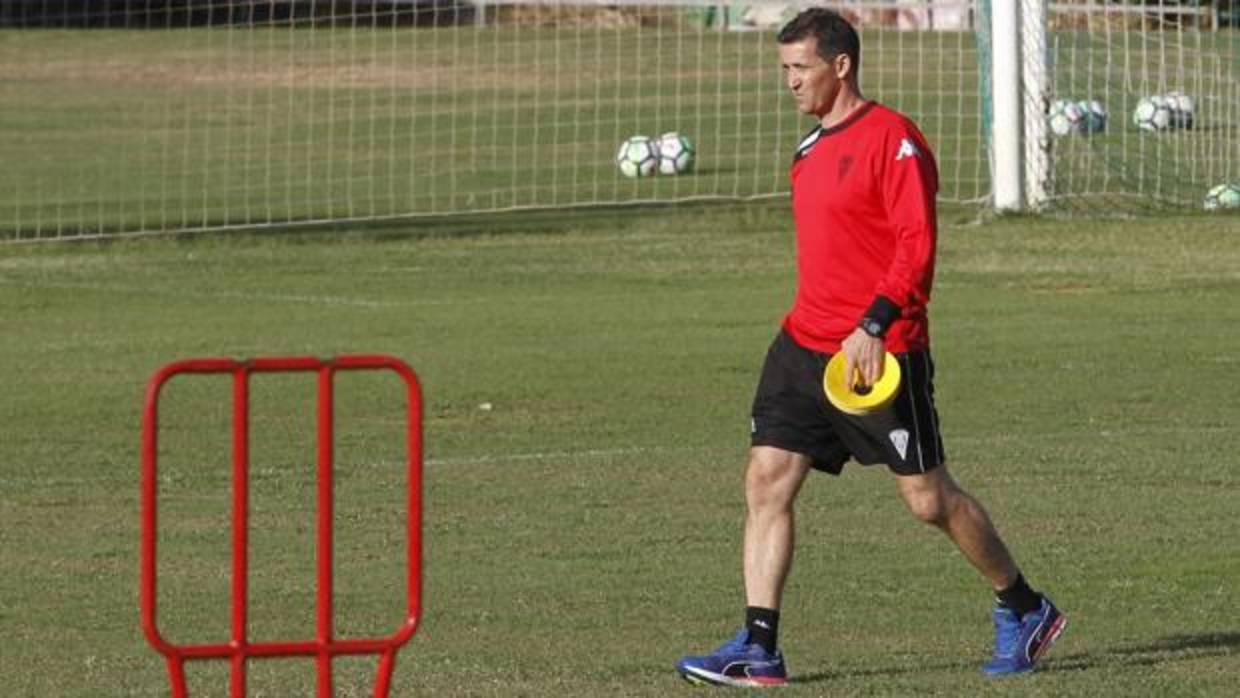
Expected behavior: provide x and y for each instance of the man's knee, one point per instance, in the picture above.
(931, 499)
(929, 507)
(773, 477)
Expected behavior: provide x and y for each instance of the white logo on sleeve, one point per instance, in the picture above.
(899, 439)
(907, 149)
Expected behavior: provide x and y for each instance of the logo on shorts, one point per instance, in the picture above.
(899, 439)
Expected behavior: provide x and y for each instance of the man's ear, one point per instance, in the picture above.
(843, 66)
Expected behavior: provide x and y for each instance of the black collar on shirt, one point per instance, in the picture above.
(807, 143)
(852, 119)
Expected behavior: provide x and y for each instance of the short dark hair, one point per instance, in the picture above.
(835, 34)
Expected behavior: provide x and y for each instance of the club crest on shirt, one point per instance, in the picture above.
(907, 149)
(844, 166)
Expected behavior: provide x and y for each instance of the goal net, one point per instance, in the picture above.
(1140, 99)
(147, 116)
(163, 115)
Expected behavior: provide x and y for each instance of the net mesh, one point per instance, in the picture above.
(1118, 54)
(132, 116)
(149, 116)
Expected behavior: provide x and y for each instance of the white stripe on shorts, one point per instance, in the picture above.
(921, 461)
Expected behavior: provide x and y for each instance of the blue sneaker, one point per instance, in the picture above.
(737, 663)
(1021, 642)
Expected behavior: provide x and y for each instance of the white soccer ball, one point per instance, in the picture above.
(1152, 114)
(1095, 115)
(638, 157)
(1066, 117)
(1223, 196)
(1183, 109)
(676, 154)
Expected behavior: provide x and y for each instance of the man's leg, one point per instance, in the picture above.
(773, 477)
(772, 480)
(1026, 623)
(790, 433)
(935, 498)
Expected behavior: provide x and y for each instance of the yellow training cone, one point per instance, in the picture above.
(848, 396)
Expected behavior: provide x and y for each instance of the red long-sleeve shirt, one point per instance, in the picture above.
(863, 196)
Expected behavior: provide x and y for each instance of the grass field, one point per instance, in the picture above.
(583, 532)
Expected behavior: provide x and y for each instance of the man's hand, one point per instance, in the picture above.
(863, 354)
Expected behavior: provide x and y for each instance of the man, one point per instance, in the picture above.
(863, 197)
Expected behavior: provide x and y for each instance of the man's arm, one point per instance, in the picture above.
(909, 184)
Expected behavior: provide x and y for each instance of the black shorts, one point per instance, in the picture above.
(791, 412)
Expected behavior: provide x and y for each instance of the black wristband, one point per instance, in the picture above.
(879, 317)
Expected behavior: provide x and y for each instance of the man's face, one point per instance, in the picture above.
(813, 81)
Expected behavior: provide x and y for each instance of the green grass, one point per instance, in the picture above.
(583, 533)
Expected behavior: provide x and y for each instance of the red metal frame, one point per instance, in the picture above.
(325, 646)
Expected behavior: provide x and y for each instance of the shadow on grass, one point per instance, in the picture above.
(1173, 648)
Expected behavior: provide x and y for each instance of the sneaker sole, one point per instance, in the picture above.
(1053, 634)
(701, 677)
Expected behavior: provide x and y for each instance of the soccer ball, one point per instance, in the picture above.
(1152, 114)
(1182, 109)
(638, 157)
(1095, 115)
(1223, 196)
(1066, 117)
(676, 154)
